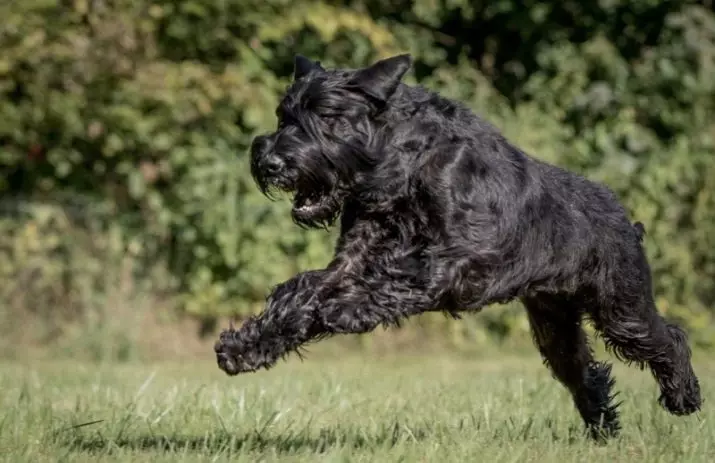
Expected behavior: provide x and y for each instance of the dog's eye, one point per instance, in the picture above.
(329, 119)
(283, 120)
(283, 117)
(336, 123)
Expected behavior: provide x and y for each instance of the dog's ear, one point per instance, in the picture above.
(382, 78)
(303, 65)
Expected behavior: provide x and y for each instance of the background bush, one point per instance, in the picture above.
(124, 129)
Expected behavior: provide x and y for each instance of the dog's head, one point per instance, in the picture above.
(330, 125)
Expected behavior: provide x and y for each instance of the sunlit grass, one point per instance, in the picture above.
(360, 409)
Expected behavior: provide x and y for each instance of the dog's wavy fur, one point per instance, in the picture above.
(439, 212)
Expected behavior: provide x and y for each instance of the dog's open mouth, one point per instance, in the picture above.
(308, 204)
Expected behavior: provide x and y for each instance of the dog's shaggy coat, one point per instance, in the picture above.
(439, 212)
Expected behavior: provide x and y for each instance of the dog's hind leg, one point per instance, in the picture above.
(556, 327)
(624, 312)
(636, 333)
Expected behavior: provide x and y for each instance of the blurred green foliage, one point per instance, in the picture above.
(145, 109)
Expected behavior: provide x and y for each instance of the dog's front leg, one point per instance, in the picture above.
(288, 321)
(320, 303)
(366, 303)
(395, 283)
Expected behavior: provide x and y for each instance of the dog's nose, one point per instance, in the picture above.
(273, 165)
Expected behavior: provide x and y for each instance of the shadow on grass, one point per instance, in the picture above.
(325, 439)
(221, 442)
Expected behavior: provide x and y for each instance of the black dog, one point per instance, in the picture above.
(439, 212)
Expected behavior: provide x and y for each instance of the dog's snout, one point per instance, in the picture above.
(264, 158)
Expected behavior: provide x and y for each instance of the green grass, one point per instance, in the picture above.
(431, 408)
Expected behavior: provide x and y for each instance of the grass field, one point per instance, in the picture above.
(428, 408)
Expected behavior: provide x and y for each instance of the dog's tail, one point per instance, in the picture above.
(640, 230)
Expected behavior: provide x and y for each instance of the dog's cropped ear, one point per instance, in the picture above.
(382, 78)
(303, 65)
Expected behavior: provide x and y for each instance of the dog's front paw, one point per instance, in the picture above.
(245, 350)
(228, 354)
(226, 361)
